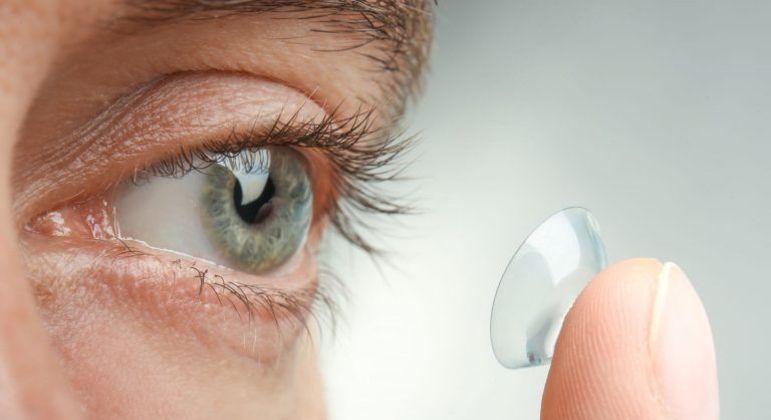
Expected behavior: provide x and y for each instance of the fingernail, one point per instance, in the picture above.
(682, 350)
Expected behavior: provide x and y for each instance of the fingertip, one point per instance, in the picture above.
(632, 275)
(602, 340)
(604, 364)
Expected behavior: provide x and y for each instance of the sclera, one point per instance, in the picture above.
(539, 285)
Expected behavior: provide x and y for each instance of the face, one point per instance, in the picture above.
(171, 169)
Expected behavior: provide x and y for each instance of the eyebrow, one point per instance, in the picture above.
(399, 32)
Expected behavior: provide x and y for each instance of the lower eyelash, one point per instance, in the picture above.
(317, 303)
(257, 299)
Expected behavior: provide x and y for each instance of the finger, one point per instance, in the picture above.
(636, 345)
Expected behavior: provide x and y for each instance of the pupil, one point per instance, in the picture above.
(258, 210)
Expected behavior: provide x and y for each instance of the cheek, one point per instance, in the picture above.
(123, 364)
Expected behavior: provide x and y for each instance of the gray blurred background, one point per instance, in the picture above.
(654, 114)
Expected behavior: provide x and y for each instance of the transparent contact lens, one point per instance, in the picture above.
(542, 280)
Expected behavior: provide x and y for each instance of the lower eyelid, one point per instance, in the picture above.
(165, 289)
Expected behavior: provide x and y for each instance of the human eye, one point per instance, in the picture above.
(250, 210)
(219, 221)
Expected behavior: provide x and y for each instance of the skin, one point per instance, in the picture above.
(81, 337)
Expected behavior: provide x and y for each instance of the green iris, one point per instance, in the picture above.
(258, 207)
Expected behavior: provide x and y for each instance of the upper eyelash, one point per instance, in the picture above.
(361, 155)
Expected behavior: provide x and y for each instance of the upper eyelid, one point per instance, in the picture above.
(183, 109)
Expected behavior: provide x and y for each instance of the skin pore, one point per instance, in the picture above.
(91, 94)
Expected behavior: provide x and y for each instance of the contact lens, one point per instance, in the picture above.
(540, 283)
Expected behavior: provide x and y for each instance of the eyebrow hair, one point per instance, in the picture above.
(398, 32)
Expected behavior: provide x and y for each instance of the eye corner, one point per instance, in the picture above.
(93, 218)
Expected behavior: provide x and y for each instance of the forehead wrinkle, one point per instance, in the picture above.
(394, 35)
